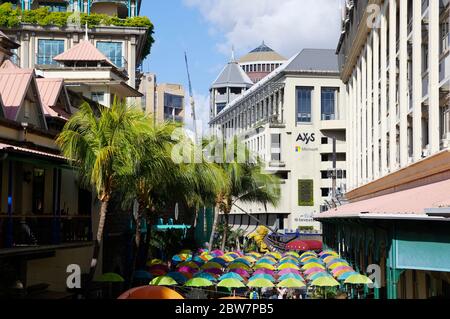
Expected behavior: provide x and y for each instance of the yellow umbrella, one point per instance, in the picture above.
(211, 264)
(312, 265)
(291, 283)
(275, 255)
(325, 282)
(338, 264)
(340, 272)
(265, 266)
(260, 283)
(292, 253)
(305, 259)
(288, 265)
(358, 279)
(227, 258)
(250, 259)
(155, 262)
(308, 253)
(254, 254)
(330, 258)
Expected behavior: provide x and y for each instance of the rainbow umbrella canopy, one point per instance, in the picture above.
(327, 281)
(291, 283)
(335, 261)
(188, 269)
(231, 283)
(181, 257)
(214, 271)
(219, 260)
(231, 275)
(242, 260)
(217, 253)
(342, 271)
(313, 277)
(337, 269)
(337, 264)
(264, 271)
(262, 276)
(308, 253)
(205, 275)
(233, 254)
(358, 279)
(312, 265)
(189, 264)
(260, 283)
(266, 260)
(163, 281)
(292, 253)
(199, 282)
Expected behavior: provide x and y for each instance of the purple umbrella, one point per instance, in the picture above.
(187, 269)
(288, 271)
(264, 271)
(213, 271)
(241, 272)
(217, 252)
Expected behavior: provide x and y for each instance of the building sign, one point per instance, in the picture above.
(305, 192)
(306, 138)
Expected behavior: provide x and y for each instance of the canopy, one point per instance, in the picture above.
(150, 292)
(110, 277)
(163, 281)
(260, 283)
(291, 283)
(198, 282)
(231, 283)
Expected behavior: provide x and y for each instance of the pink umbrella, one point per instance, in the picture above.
(288, 271)
(217, 252)
(314, 270)
(335, 270)
(241, 272)
(264, 271)
(214, 271)
(187, 269)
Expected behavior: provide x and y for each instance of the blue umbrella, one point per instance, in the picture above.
(242, 261)
(198, 260)
(142, 274)
(178, 277)
(318, 275)
(289, 260)
(231, 275)
(266, 261)
(346, 275)
(337, 260)
(218, 260)
(262, 276)
(289, 276)
(314, 260)
(205, 275)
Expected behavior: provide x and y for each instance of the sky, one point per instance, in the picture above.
(208, 30)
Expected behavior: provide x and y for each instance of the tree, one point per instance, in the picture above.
(246, 182)
(105, 148)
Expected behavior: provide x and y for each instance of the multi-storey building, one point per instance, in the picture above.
(122, 45)
(289, 119)
(165, 101)
(394, 61)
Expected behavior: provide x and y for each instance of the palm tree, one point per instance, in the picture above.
(105, 148)
(246, 182)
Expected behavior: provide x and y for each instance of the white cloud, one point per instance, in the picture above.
(285, 25)
(201, 112)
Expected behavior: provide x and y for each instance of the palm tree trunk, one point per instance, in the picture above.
(97, 243)
(137, 238)
(225, 231)
(214, 227)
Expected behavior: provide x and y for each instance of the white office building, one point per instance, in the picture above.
(289, 119)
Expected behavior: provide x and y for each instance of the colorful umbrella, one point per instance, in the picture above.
(262, 276)
(214, 271)
(218, 260)
(239, 266)
(151, 293)
(337, 269)
(314, 270)
(288, 260)
(274, 255)
(337, 260)
(313, 277)
(260, 283)
(311, 259)
(269, 261)
(292, 253)
(142, 274)
(231, 283)
(188, 275)
(250, 258)
(178, 277)
(342, 271)
(288, 266)
(205, 275)
(308, 253)
(312, 265)
(198, 260)
(338, 264)
(357, 279)
(232, 254)
(329, 259)
(288, 271)
(346, 275)
(291, 283)
(211, 264)
(242, 260)
(188, 269)
(264, 271)
(163, 281)
(110, 277)
(198, 282)
(287, 276)
(217, 253)
(332, 252)
(265, 266)
(231, 275)
(189, 264)
(241, 272)
(327, 281)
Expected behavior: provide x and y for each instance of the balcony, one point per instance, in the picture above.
(118, 8)
(41, 230)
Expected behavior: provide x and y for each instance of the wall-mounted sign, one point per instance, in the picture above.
(306, 137)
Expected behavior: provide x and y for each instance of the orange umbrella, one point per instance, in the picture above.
(151, 292)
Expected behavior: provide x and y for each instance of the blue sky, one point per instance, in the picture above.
(208, 29)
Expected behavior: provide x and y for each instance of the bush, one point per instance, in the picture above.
(10, 18)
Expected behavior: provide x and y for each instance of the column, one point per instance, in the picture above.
(364, 130)
(392, 84)
(383, 98)
(403, 85)
(376, 103)
(433, 67)
(349, 134)
(417, 79)
(358, 126)
(369, 111)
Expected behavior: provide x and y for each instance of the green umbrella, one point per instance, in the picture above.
(230, 283)
(111, 277)
(291, 283)
(260, 283)
(325, 282)
(163, 281)
(358, 279)
(198, 282)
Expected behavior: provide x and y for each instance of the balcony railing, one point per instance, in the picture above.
(39, 230)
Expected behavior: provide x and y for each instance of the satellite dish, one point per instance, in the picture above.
(176, 211)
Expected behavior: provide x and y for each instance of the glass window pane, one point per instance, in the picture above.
(304, 104)
(328, 97)
(48, 49)
(113, 51)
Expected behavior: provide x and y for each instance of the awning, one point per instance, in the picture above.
(304, 245)
(27, 151)
(407, 204)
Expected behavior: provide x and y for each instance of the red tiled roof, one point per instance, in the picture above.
(83, 51)
(404, 203)
(14, 84)
(50, 90)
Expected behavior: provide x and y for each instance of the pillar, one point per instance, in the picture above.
(364, 128)
(358, 126)
(433, 83)
(376, 103)
(417, 79)
(369, 112)
(392, 85)
(383, 97)
(403, 85)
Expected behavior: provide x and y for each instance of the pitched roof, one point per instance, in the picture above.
(83, 51)
(314, 60)
(10, 43)
(232, 75)
(7, 64)
(262, 53)
(50, 91)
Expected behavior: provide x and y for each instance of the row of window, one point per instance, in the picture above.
(260, 67)
(329, 99)
(49, 48)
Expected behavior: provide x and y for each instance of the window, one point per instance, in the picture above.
(48, 49)
(328, 98)
(220, 107)
(324, 140)
(55, 6)
(304, 104)
(113, 51)
(325, 192)
(276, 147)
(98, 97)
(305, 192)
(171, 100)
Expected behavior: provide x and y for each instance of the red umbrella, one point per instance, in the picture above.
(151, 292)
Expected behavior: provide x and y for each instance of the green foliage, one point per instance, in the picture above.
(10, 18)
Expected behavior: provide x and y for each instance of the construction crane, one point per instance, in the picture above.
(191, 97)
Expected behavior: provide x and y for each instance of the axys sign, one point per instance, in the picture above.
(306, 137)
